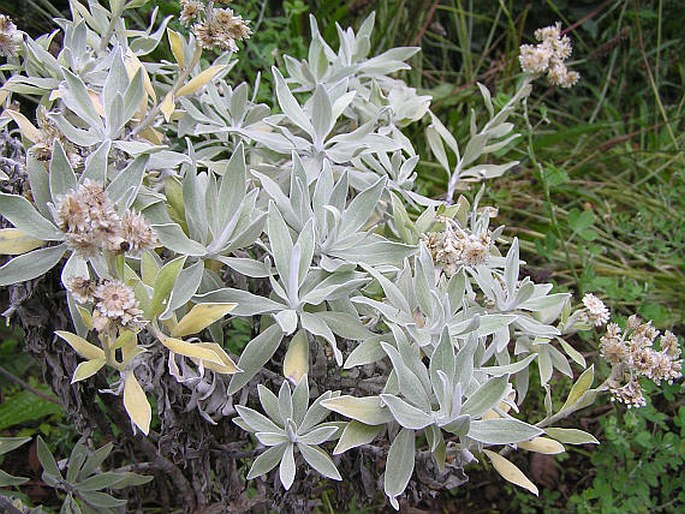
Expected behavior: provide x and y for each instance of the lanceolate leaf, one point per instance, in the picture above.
(579, 389)
(136, 403)
(486, 396)
(296, 361)
(266, 461)
(200, 317)
(571, 436)
(255, 355)
(87, 369)
(19, 211)
(369, 410)
(15, 242)
(81, 346)
(319, 460)
(510, 472)
(399, 466)
(356, 434)
(406, 415)
(502, 431)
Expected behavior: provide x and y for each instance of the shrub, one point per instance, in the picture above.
(157, 199)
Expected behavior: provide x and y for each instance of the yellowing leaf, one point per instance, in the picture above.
(200, 80)
(200, 317)
(152, 136)
(133, 64)
(125, 339)
(25, 126)
(14, 242)
(136, 403)
(167, 107)
(510, 472)
(176, 44)
(128, 342)
(86, 316)
(192, 350)
(97, 102)
(581, 386)
(87, 369)
(571, 435)
(227, 367)
(4, 93)
(81, 346)
(543, 445)
(296, 362)
(369, 410)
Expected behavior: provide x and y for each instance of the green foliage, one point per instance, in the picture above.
(84, 481)
(23, 407)
(639, 467)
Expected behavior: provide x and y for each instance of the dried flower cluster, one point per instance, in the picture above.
(48, 133)
(92, 224)
(215, 28)
(10, 37)
(454, 247)
(548, 57)
(596, 312)
(632, 354)
(115, 305)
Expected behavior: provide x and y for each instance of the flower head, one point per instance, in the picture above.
(83, 289)
(115, 306)
(632, 354)
(10, 37)
(597, 312)
(137, 233)
(221, 29)
(548, 56)
(191, 9)
(630, 394)
(455, 247)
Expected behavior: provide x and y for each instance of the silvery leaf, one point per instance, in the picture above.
(249, 304)
(272, 438)
(257, 422)
(356, 434)
(502, 431)
(410, 385)
(266, 461)
(287, 470)
(318, 435)
(257, 352)
(406, 415)
(31, 265)
(319, 460)
(487, 396)
(399, 465)
(21, 213)
(269, 403)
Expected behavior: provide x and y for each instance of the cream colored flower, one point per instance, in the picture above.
(597, 312)
(191, 9)
(83, 289)
(455, 247)
(630, 394)
(114, 298)
(548, 56)
(10, 37)
(137, 233)
(116, 306)
(221, 29)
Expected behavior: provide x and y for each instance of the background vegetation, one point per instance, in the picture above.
(600, 207)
